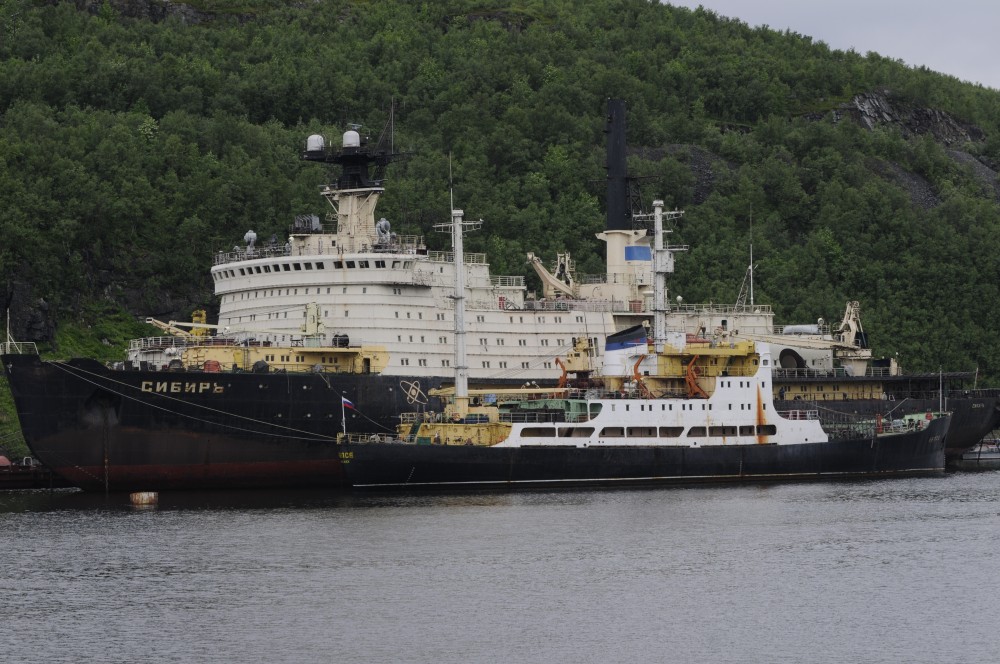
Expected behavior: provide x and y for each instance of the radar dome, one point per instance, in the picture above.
(352, 139)
(315, 143)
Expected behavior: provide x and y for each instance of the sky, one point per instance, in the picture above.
(955, 37)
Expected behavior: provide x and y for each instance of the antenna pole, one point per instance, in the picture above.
(751, 256)
(457, 228)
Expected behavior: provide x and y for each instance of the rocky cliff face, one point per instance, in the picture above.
(872, 109)
(30, 317)
(878, 108)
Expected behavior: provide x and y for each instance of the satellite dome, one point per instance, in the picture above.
(315, 143)
(352, 139)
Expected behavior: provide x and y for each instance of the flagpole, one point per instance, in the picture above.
(343, 416)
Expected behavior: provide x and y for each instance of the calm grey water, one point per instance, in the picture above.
(893, 571)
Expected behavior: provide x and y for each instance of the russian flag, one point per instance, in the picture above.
(347, 403)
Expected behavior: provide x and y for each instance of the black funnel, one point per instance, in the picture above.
(618, 202)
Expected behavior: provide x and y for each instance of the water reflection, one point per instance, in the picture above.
(859, 571)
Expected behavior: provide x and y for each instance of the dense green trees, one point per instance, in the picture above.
(131, 150)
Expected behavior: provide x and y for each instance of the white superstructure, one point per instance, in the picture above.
(369, 285)
(398, 295)
(738, 411)
(379, 288)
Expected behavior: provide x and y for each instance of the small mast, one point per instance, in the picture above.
(663, 264)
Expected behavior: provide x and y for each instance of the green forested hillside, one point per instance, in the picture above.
(134, 145)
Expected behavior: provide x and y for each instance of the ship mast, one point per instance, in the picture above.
(457, 228)
(751, 257)
(356, 191)
(659, 278)
(747, 285)
(663, 264)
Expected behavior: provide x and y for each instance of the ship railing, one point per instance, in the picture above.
(867, 427)
(432, 417)
(578, 305)
(837, 424)
(975, 393)
(505, 304)
(250, 253)
(556, 306)
(799, 414)
(164, 342)
(535, 394)
(630, 391)
(449, 257)
(836, 372)
(900, 425)
(18, 348)
(238, 340)
(721, 309)
(626, 278)
(810, 373)
(501, 281)
(157, 343)
(400, 244)
(522, 417)
(608, 306)
(793, 330)
(927, 394)
(518, 417)
(300, 368)
(372, 438)
(839, 430)
(487, 305)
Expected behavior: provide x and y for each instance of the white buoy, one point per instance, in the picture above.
(144, 498)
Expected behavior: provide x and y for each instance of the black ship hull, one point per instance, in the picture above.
(129, 430)
(126, 430)
(398, 465)
(973, 414)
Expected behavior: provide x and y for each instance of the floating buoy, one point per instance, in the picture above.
(144, 498)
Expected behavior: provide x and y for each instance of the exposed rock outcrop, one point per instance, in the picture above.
(31, 318)
(920, 190)
(704, 167)
(872, 109)
(981, 171)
